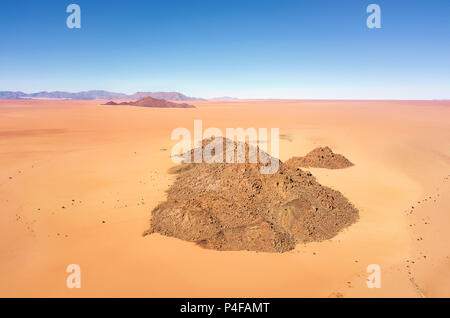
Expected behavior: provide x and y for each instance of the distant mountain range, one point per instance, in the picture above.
(224, 98)
(96, 94)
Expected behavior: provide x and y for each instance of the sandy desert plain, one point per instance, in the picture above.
(78, 182)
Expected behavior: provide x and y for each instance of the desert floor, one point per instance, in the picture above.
(78, 182)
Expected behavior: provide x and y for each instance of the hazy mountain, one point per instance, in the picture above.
(164, 95)
(12, 95)
(96, 94)
(224, 98)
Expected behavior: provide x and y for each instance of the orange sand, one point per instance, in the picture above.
(111, 161)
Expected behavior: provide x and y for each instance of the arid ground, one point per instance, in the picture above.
(78, 182)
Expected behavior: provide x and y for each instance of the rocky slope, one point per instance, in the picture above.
(226, 206)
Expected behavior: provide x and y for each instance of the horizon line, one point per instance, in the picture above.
(220, 97)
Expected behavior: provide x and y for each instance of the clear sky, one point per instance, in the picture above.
(243, 48)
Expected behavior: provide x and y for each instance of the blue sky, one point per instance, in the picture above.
(245, 48)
